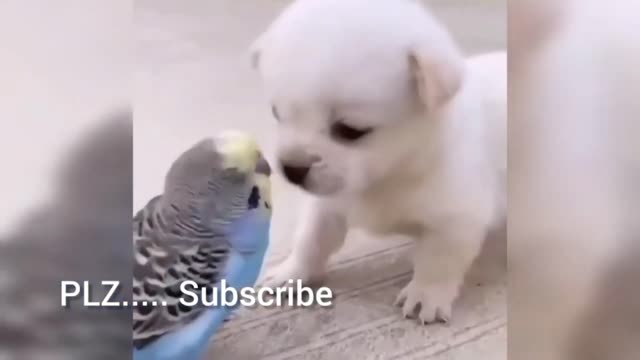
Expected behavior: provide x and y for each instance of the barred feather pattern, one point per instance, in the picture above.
(180, 238)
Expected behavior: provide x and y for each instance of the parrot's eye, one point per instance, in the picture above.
(343, 132)
(254, 198)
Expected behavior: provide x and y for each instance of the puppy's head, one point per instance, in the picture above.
(352, 85)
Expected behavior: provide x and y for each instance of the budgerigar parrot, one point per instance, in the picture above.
(211, 223)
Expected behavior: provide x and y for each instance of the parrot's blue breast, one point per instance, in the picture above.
(249, 239)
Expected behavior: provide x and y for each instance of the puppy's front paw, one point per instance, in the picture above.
(434, 301)
(291, 269)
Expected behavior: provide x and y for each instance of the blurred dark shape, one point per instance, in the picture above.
(83, 235)
(611, 327)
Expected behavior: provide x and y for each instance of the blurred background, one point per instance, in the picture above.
(63, 66)
(574, 166)
(66, 178)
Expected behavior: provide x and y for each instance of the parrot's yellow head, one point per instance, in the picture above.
(240, 150)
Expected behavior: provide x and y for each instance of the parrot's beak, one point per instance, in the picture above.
(263, 167)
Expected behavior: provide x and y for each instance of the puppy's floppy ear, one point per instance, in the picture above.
(438, 74)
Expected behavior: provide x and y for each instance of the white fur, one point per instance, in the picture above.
(434, 167)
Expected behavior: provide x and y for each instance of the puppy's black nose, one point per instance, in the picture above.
(295, 174)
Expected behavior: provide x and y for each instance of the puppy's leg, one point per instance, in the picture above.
(440, 262)
(321, 232)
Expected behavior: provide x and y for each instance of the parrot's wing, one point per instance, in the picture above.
(162, 263)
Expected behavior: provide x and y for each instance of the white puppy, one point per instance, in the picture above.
(383, 121)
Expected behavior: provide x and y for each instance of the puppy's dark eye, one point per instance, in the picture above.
(343, 132)
(274, 112)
